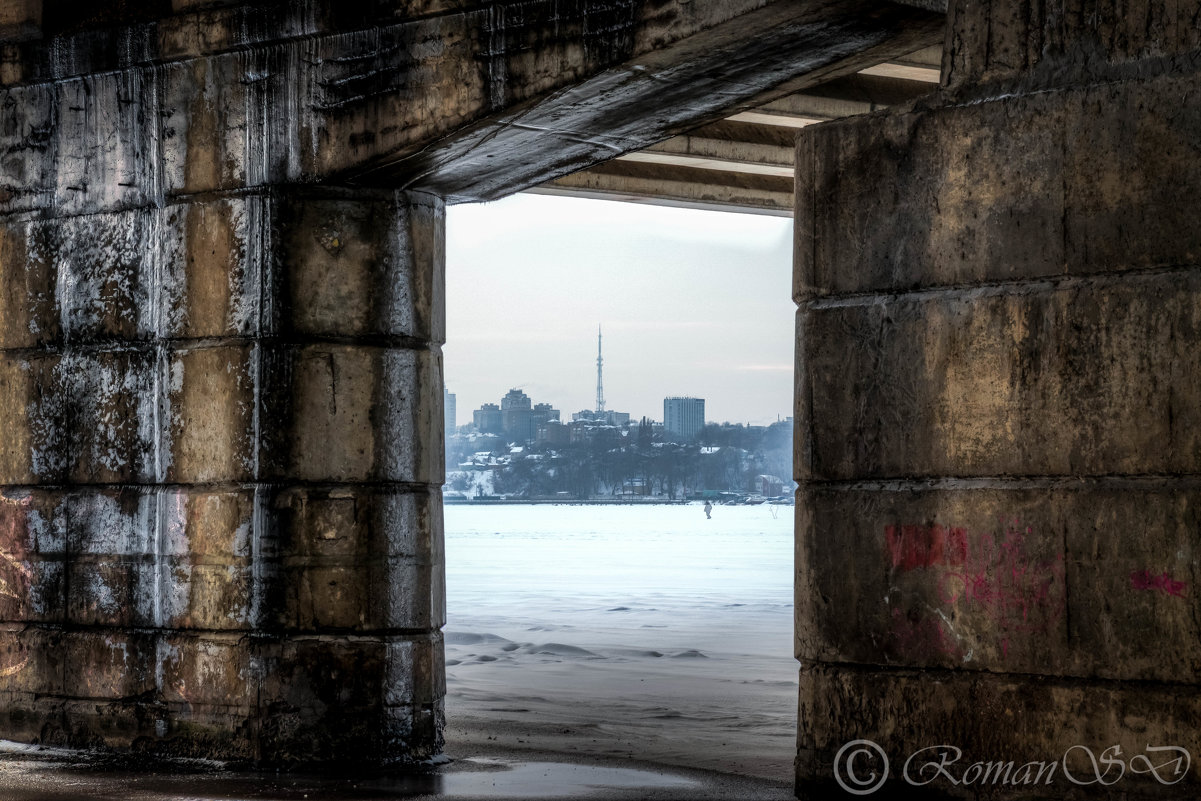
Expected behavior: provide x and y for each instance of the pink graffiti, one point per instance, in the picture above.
(990, 576)
(1015, 590)
(916, 636)
(1145, 580)
(911, 547)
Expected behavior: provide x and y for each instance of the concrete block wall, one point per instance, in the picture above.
(220, 522)
(999, 383)
(220, 363)
(220, 381)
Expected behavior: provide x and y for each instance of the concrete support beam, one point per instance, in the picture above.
(686, 187)
(998, 341)
(905, 72)
(758, 142)
(855, 94)
(842, 97)
(926, 57)
(726, 165)
(439, 98)
(718, 154)
(20, 19)
(760, 55)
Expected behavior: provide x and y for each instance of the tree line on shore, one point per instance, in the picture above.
(634, 461)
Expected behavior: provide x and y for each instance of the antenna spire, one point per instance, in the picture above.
(600, 384)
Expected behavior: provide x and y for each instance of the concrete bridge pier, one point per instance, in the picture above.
(220, 525)
(221, 313)
(999, 338)
(220, 327)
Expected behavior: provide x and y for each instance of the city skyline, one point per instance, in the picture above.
(661, 418)
(692, 303)
(450, 411)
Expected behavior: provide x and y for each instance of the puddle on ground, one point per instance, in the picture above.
(32, 774)
(496, 778)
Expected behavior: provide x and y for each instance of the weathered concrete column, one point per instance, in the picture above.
(220, 526)
(999, 398)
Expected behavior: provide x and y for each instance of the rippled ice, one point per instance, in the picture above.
(623, 617)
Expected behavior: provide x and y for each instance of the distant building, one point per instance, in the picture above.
(553, 432)
(449, 413)
(515, 399)
(542, 414)
(516, 416)
(683, 418)
(488, 419)
(604, 418)
(770, 486)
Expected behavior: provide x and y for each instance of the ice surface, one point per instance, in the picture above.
(640, 630)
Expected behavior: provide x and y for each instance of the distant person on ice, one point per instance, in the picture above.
(708, 511)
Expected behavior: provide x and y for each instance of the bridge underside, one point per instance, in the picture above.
(221, 318)
(746, 162)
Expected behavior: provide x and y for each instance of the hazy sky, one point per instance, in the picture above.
(692, 303)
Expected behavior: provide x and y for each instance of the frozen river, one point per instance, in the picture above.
(640, 630)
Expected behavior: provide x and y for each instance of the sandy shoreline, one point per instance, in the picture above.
(683, 708)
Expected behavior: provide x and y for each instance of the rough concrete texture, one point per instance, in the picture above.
(766, 53)
(134, 104)
(221, 530)
(220, 365)
(1058, 379)
(993, 717)
(1039, 189)
(1027, 577)
(1061, 42)
(998, 341)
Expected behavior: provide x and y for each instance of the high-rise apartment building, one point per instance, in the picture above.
(683, 418)
(449, 413)
(517, 417)
(488, 419)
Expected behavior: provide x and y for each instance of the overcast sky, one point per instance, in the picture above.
(692, 303)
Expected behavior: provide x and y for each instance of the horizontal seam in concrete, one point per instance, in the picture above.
(316, 561)
(1100, 481)
(1030, 286)
(287, 560)
(286, 192)
(96, 345)
(265, 634)
(262, 191)
(147, 698)
(941, 673)
(414, 487)
(255, 46)
(152, 698)
(50, 213)
(1136, 70)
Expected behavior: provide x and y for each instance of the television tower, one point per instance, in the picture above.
(600, 385)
